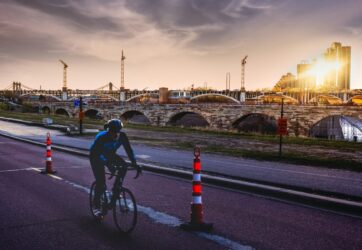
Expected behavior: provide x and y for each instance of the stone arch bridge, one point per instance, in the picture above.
(219, 116)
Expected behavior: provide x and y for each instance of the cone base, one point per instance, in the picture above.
(205, 227)
(48, 172)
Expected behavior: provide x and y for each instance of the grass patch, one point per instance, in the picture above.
(287, 157)
(274, 139)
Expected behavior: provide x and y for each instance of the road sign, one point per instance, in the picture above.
(76, 103)
(282, 126)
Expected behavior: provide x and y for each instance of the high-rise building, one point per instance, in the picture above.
(306, 78)
(339, 57)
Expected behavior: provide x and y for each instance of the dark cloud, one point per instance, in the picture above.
(356, 22)
(209, 21)
(193, 13)
(19, 43)
(74, 16)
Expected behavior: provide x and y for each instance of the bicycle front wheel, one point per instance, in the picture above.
(125, 211)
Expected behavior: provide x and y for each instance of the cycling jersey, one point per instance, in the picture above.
(104, 148)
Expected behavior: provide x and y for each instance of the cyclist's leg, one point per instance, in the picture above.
(119, 161)
(98, 172)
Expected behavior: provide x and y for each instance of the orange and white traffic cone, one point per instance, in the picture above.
(48, 163)
(197, 222)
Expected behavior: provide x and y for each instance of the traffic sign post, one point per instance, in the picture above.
(81, 115)
(282, 128)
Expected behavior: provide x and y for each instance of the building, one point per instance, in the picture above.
(339, 59)
(306, 80)
(286, 82)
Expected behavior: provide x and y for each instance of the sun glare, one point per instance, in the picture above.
(322, 69)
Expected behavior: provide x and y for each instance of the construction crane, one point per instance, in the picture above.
(228, 79)
(64, 74)
(243, 62)
(122, 70)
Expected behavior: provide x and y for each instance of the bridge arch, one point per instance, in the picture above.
(188, 119)
(326, 99)
(135, 116)
(144, 97)
(355, 100)
(275, 98)
(337, 127)
(62, 111)
(91, 113)
(38, 95)
(256, 123)
(214, 97)
(45, 110)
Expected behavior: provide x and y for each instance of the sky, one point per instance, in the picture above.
(171, 43)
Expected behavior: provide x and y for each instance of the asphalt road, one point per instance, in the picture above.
(51, 212)
(328, 180)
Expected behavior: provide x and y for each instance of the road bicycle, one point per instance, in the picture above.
(120, 200)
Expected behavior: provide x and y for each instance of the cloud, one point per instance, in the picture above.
(207, 20)
(354, 26)
(74, 15)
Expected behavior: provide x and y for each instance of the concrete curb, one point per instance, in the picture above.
(315, 200)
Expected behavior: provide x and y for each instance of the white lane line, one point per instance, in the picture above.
(16, 170)
(143, 156)
(55, 177)
(172, 221)
(73, 167)
(224, 241)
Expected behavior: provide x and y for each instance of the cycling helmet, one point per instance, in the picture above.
(114, 125)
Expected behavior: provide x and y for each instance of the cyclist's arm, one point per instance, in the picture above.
(127, 147)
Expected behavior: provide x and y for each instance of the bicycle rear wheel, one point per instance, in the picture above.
(125, 211)
(103, 201)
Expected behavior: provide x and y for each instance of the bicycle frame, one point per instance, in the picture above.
(117, 185)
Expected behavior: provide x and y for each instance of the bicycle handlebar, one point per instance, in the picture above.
(129, 167)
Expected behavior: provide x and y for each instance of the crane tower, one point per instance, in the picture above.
(64, 89)
(122, 70)
(65, 66)
(243, 62)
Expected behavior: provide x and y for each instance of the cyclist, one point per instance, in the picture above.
(103, 153)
